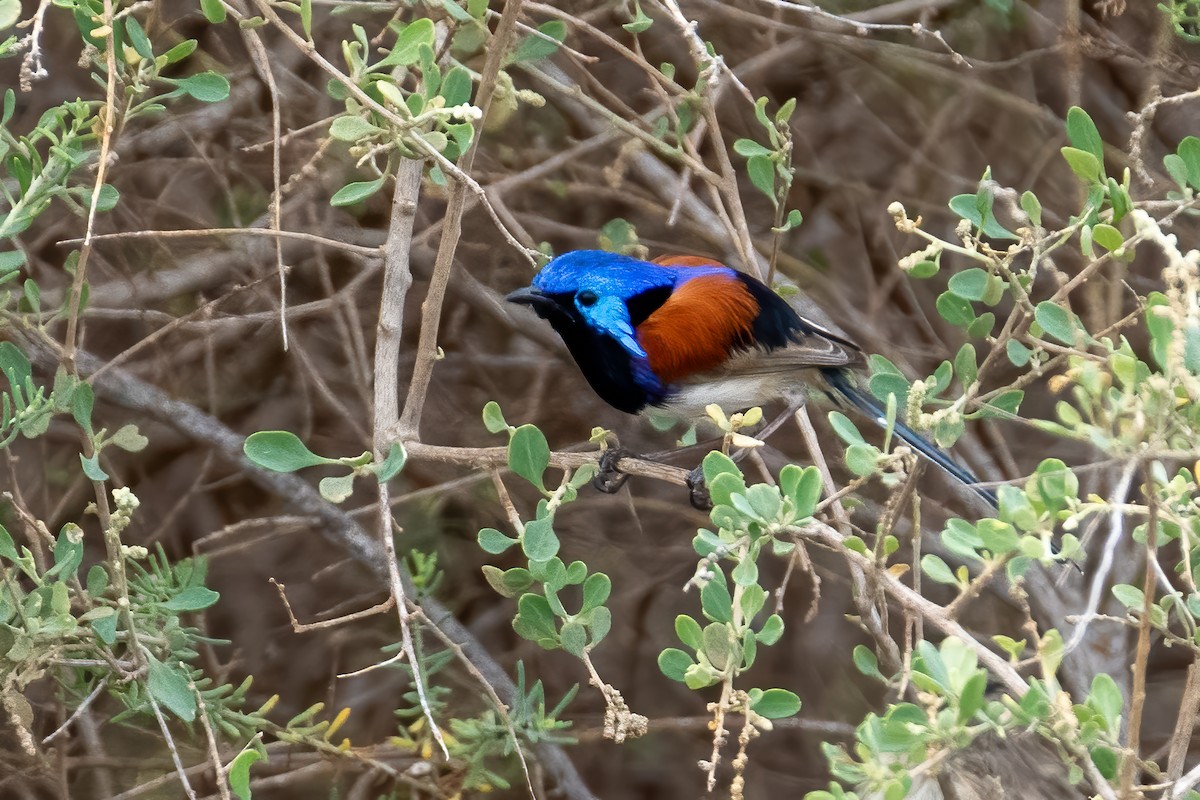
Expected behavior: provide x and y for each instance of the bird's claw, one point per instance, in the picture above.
(699, 495)
(609, 478)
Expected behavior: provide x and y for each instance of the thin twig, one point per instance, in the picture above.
(166, 732)
(431, 311)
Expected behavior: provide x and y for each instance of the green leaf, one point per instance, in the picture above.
(938, 570)
(7, 548)
(12, 260)
(535, 48)
(718, 647)
(137, 38)
(539, 541)
(776, 704)
(1083, 164)
(955, 310)
(336, 488)
(793, 220)
(746, 571)
(699, 676)
(1105, 698)
(529, 454)
(997, 536)
(194, 598)
(674, 663)
(689, 632)
(106, 628)
(1018, 353)
(716, 601)
(771, 630)
(1056, 321)
(82, 400)
(207, 87)
(129, 439)
(982, 326)
(803, 486)
(214, 11)
(1002, 405)
(407, 50)
(966, 366)
(762, 175)
(599, 622)
(68, 552)
(574, 638)
(1129, 596)
(351, 128)
(493, 417)
(750, 148)
(970, 284)
(456, 87)
(10, 12)
(33, 295)
(534, 620)
(1189, 155)
(866, 662)
(641, 23)
(971, 697)
(281, 451)
(861, 459)
(967, 206)
(391, 466)
(494, 542)
(239, 773)
(765, 501)
(356, 192)
(716, 464)
(923, 269)
(507, 583)
(1107, 236)
(188, 46)
(596, 590)
(92, 468)
(306, 18)
(168, 685)
(1032, 207)
(1082, 133)
(846, 430)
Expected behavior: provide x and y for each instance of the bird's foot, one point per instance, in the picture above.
(699, 495)
(609, 479)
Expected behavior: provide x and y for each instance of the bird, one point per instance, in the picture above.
(680, 332)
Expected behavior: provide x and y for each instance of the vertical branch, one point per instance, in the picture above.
(108, 119)
(1142, 655)
(397, 278)
(262, 63)
(431, 310)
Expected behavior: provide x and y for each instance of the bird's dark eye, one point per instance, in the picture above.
(586, 298)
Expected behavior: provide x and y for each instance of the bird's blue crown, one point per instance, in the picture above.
(612, 274)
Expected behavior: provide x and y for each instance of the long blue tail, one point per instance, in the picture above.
(843, 384)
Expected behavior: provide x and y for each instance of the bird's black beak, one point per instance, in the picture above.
(533, 298)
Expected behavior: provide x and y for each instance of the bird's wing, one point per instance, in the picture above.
(806, 353)
(699, 326)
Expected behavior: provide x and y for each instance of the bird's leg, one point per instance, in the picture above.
(698, 490)
(609, 479)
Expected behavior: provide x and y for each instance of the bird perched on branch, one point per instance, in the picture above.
(681, 332)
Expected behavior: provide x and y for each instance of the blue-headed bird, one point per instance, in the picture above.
(679, 333)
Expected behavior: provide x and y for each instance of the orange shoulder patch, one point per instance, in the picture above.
(686, 261)
(696, 329)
